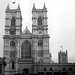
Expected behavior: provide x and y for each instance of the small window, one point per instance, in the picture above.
(44, 69)
(40, 43)
(50, 69)
(12, 44)
(13, 21)
(13, 65)
(39, 21)
(63, 69)
(70, 69)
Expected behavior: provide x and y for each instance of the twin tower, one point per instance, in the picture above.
(23, 49)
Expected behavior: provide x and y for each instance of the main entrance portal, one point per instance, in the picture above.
(25, 71)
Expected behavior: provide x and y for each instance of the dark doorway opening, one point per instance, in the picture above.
(64, 73)
(40, 73)
(56, 73)
(25, 71)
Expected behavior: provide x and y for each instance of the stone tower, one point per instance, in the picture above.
(13, 30)
(23, 49)
(40, 35)
(63, 57)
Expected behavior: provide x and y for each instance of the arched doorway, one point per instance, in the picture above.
(25, 71)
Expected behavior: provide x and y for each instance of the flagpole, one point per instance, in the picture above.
(14, 3)
(62, 48)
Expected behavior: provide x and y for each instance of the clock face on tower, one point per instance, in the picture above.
(40, 32)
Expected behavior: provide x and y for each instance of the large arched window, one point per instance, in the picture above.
(26, 50)
(39, 21)
(12, 44)
(13, 21)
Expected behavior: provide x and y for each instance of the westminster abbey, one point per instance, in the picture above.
(28, 53)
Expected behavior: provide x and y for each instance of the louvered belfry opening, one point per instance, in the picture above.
(13, 21)
(39, 21)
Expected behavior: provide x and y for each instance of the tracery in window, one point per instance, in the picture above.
(26, 50)
(39, 21)
(13, 21)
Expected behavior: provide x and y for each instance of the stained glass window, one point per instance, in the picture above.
(26, 50)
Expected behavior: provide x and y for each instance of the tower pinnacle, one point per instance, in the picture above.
(33, 7)
(7, 7)
(44, 8)
(18, 8)
(44, 5)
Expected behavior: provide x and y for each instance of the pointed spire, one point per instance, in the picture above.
(33, 7)
(7, 7)
(18, 8)
(44, 8)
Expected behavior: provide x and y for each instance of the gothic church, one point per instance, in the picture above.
(23, 49)
(28, 53)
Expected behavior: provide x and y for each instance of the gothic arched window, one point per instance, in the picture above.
(13, 21)
(39, 21)
(12, 44)
(40, 43)
(12, 63)
(26, 50)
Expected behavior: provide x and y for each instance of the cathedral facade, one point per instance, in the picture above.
(29, 52)
(22, 49)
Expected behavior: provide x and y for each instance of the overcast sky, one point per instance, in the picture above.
(61, 23)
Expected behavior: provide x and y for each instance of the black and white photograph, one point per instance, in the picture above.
(37, 37)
